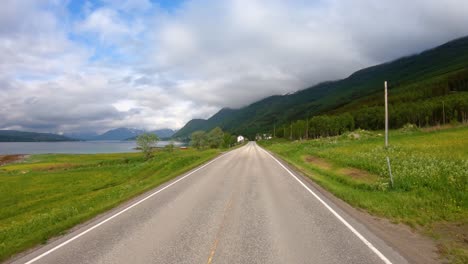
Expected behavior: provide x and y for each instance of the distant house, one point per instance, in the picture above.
(240, 139)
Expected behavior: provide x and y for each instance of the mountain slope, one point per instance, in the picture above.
(21, 136)
(164, 133)
(161, 133)
(82, 135)
(329, 96)
(119, 134)
(219, 119)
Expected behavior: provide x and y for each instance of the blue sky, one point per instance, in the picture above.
(76, 6)
(79, 9)
(76, 66)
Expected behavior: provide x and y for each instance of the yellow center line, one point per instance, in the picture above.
(218, 234)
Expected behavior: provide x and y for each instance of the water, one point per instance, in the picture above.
(72, 147)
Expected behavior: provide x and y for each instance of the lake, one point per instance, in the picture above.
(72, 147)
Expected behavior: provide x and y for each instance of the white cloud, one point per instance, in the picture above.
(107, 24)
(131, 63)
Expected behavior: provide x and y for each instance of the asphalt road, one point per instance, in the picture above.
(243, 207)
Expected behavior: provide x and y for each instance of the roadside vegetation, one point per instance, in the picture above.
(430, 170)
(147, 144)
(47, 194)
(216, 138)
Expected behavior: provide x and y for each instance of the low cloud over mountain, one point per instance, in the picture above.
(75, 66)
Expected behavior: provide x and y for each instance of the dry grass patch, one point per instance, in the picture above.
(6, 159)
(359, 175)
(319, 162)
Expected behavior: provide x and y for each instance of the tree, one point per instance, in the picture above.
(215, 137)
(228, 140)
(147, 142)
(198, 139)
(170, 147)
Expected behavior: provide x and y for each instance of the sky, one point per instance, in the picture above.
(89, 66)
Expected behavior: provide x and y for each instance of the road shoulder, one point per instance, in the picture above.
(414, 247)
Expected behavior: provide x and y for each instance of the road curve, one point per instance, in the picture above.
(243, 207)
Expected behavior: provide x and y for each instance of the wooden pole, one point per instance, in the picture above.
(386, 116)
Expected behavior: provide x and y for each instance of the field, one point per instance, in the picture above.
(430, 170)
(47, 194)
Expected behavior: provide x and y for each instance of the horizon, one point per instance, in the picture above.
(93, 66)
(93, 133)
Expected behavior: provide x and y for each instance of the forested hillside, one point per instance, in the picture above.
(421, 88)
(436, 101)
(21, 136)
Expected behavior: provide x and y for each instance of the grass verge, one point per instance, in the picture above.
(48, 194)
(430, 171)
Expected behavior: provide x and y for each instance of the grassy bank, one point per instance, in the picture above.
(48, 194)
(430, 171)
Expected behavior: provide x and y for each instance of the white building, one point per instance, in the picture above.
(240, 139)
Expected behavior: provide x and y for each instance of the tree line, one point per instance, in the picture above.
(216, 138)
(452, 108)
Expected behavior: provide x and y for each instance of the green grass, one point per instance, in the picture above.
(48, 194)
(430, 171)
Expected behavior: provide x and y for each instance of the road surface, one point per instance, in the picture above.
(243, 207)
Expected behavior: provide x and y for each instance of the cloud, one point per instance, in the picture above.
(37, 45)
(106, 23)
(141, 64)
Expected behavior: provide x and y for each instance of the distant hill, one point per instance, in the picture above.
(119, 134)
(161, 133)
(21, 136)
(123, 134)
(221, 118)
(164, 133)
(83, 135)
(416, 77)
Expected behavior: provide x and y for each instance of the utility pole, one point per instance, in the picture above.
(307, 127)
(386, 115)
(274, 130)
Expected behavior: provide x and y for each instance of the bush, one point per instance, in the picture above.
(169, 147)
(147, 143)
(409, 128)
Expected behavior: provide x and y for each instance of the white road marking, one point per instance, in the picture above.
(350, 227)
(118, 213)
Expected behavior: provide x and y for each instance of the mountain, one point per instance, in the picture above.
(124, 134)
(219, 119)
(82, 135)
(21, 136)
(119, 134)
(161, 133)
(416, 77)
(164, 133)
